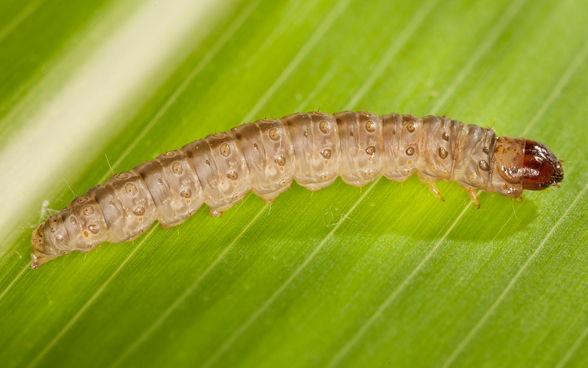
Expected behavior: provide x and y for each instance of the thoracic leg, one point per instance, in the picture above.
(474, 197)
(433, 189)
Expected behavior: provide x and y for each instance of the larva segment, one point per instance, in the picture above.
(42, 252)
(362, 146)
(57, 234)
(508, 165)
(174, 187)
(402, 146)
(437, 152)
(313, 133)
(85, 223)
(313, 148)
(269, 153)
(127, 206)
(472, 157)
(222, 170)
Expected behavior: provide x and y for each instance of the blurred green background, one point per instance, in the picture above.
(383, 276)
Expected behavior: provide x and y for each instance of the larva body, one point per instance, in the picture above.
(311, 148)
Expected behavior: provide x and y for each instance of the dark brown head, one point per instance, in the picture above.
(522, 164)
(541, 169)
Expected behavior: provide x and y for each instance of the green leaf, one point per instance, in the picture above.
(383, 276)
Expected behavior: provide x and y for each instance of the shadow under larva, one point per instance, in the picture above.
(312, 148)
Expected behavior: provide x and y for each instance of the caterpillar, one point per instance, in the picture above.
(312, 148)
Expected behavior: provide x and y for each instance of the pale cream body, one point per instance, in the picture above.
(264, 157)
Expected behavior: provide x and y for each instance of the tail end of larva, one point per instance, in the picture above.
(39, 257)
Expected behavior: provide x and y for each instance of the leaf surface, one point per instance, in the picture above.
(383, 276)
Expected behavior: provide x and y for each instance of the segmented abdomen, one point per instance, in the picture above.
(264, 157)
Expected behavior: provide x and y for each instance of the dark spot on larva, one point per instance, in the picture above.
(218, 135)
(140, 219)
(370, 126)
(86, 234)
(233, 175)
(305, 134)
(370, 150)
(88, 210)
(131, 189)
(284, 182)
(486, 150)
(410, 127)
(73, 220)
(326, 153)
(255, 146)
(81, 200)
(122, 176)
(394, 132)
(410, 151)
(236, 196)
(186, 193)
(484, 165)
(59, 238)
(370, 173)
(445, 136)
(177, 168)
(273, 134)
(208, 162)
(324, 127)
(281, 160)
(168, 154)
(159, 181)
(325, 177)
(442, 152)
(351, 133)
(139, 211)
(225, 149)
